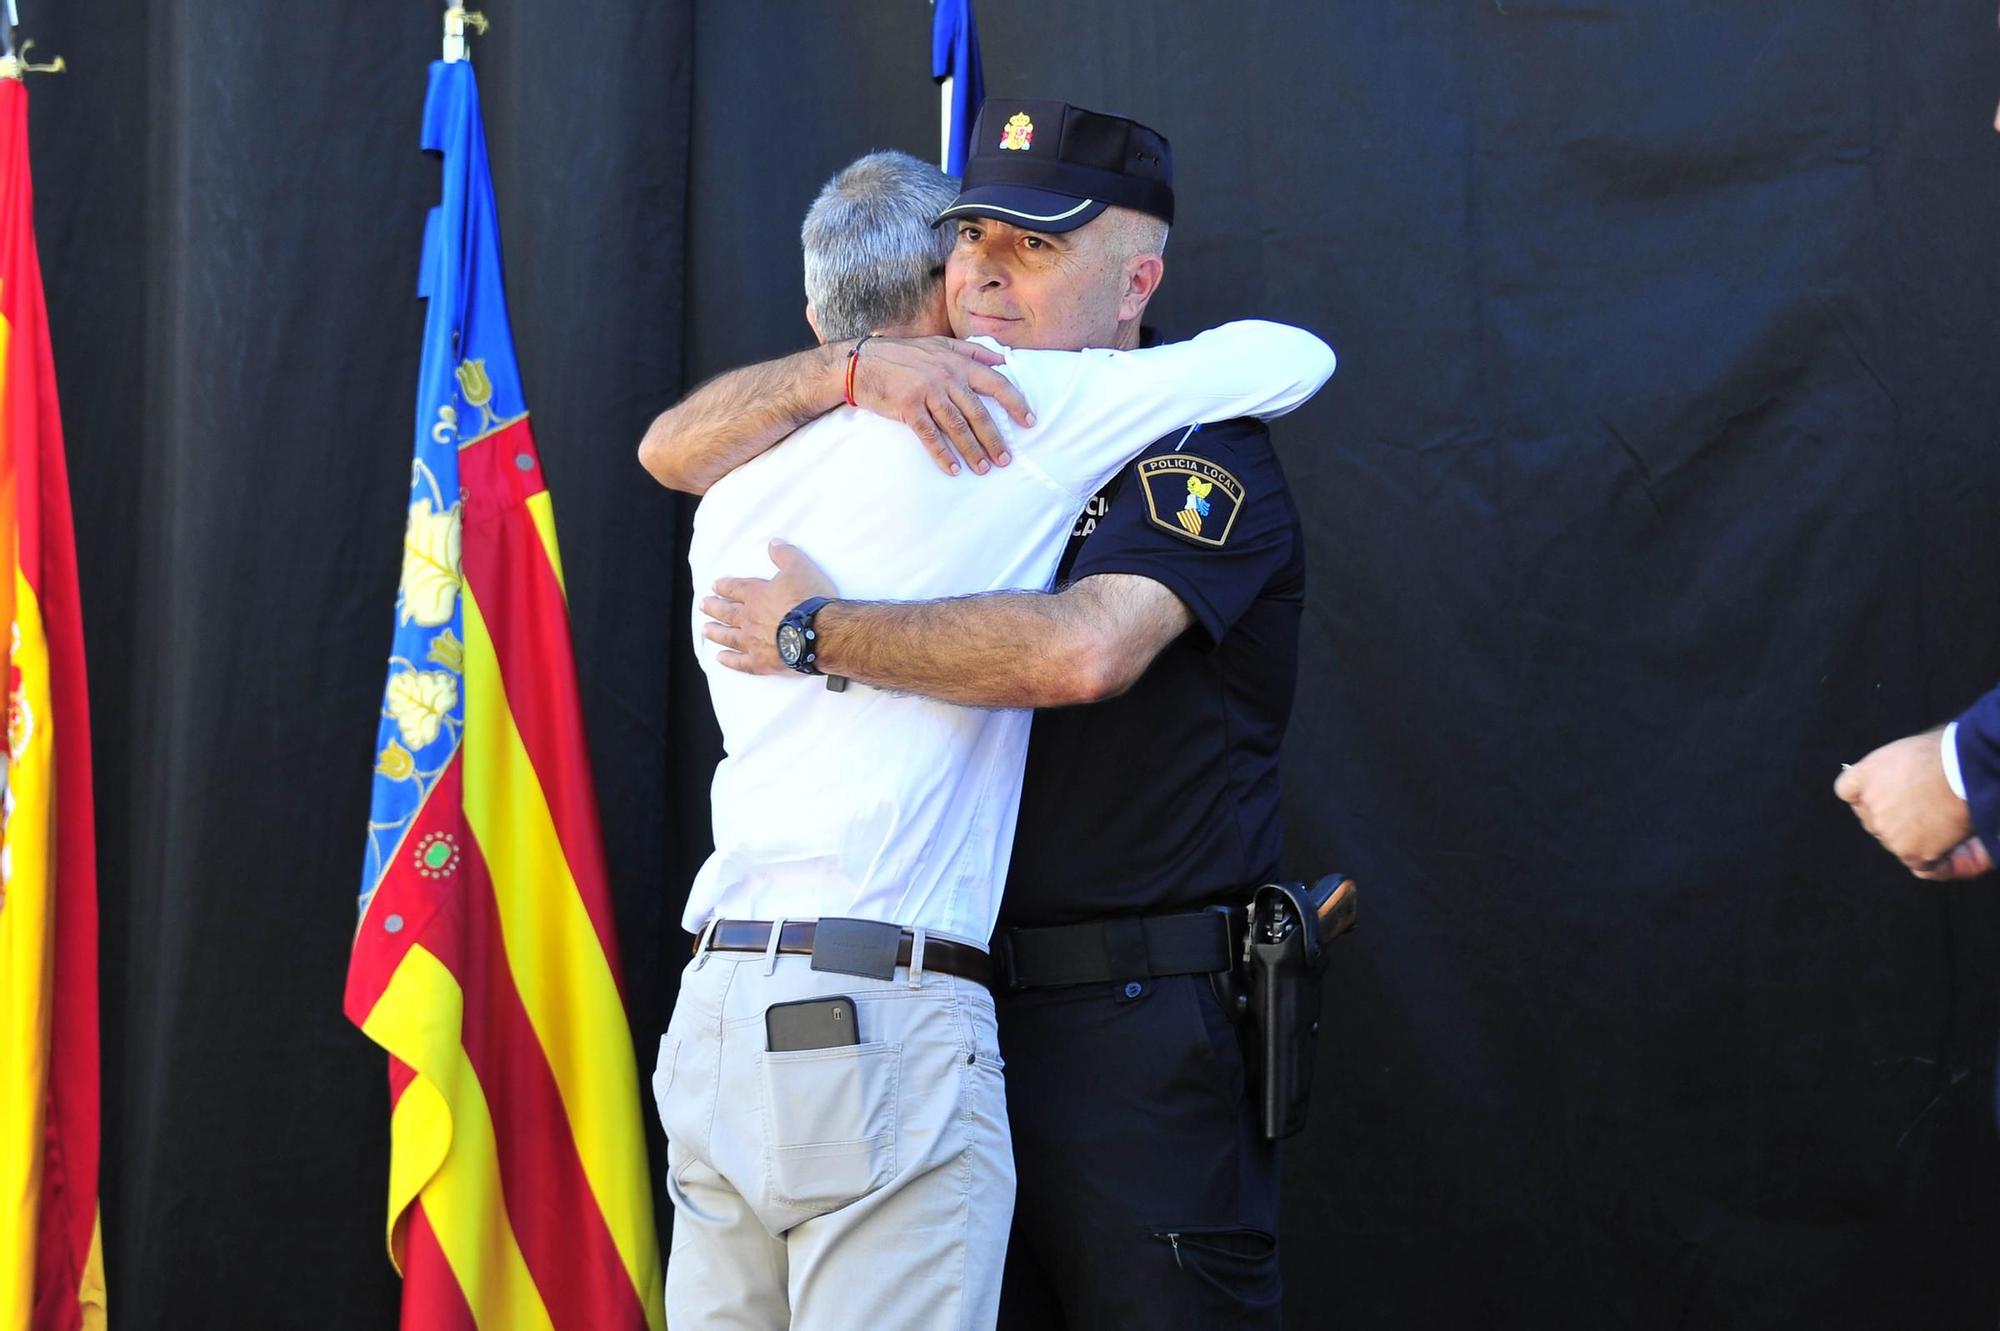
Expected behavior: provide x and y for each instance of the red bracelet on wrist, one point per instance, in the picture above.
(853, 359)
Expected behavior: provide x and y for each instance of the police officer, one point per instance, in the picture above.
(1147, 1194)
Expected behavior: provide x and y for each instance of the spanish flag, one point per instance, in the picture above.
(485, 962)
(51, 1252)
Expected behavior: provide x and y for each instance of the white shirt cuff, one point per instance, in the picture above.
(1949, 752)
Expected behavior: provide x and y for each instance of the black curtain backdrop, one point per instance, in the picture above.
(1659, 477)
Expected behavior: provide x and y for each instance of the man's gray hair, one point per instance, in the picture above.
(872, 256)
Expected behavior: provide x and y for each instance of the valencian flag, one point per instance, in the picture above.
(485, 961)
(51, 1252)
(955, 64)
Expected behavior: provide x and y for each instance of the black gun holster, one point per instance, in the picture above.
(1285, 932)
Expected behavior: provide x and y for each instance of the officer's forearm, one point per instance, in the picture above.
(1085, 643)
(1007, 649)
(736, 416)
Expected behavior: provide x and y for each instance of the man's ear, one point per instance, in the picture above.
(812, 321)
(1142, 278)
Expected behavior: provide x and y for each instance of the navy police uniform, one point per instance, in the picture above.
(1148, 1196)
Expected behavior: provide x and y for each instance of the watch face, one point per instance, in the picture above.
(791, 644)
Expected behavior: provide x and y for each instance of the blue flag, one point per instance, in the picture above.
(955, 55)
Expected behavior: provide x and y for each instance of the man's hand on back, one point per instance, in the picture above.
(933, 385)
(745, 611)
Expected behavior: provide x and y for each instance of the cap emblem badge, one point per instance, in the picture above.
(1019, 133)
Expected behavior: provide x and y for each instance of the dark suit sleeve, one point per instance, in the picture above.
(1979, 766)
(1239, 536)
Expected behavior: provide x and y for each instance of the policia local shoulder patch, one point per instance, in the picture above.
(1191, 497)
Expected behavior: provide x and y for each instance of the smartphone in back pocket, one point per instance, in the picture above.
(810, 1023)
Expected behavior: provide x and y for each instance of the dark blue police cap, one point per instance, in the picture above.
(1050, 166)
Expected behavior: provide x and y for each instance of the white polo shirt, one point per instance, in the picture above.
(899, 808)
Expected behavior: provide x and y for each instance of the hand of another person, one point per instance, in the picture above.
(933, 385)
(746, 611)
(1969, 859)
(1900, 795)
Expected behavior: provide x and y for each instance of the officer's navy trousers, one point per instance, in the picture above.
(1147, 1196)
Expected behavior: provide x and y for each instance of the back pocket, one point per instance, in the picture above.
(831, 1119)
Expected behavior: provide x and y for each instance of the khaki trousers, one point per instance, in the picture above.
(863, 1186)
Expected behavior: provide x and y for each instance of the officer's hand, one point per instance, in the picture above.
(1900, 795)
(933, 385)
(746, 611)
(1969, 860)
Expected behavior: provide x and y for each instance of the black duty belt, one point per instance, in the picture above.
(1136, 948)
(940, 954)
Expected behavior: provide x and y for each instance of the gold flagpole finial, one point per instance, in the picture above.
(14, 65)
(457, 18)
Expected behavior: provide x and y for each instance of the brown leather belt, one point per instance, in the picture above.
(940, 954)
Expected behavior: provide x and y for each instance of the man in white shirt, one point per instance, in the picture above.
(859, 1173)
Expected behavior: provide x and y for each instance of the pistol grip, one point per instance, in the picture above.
(1337, 914)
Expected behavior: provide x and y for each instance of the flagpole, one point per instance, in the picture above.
(944, 124)
(456, 20)
(945, 116)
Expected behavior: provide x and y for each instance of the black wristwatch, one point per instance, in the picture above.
(798, 641)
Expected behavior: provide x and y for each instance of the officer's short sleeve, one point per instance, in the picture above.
(1207, 515)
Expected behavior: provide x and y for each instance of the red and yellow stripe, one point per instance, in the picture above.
(51, 1246)
(519, 1164)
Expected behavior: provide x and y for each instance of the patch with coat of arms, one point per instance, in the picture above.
(1191, 497)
